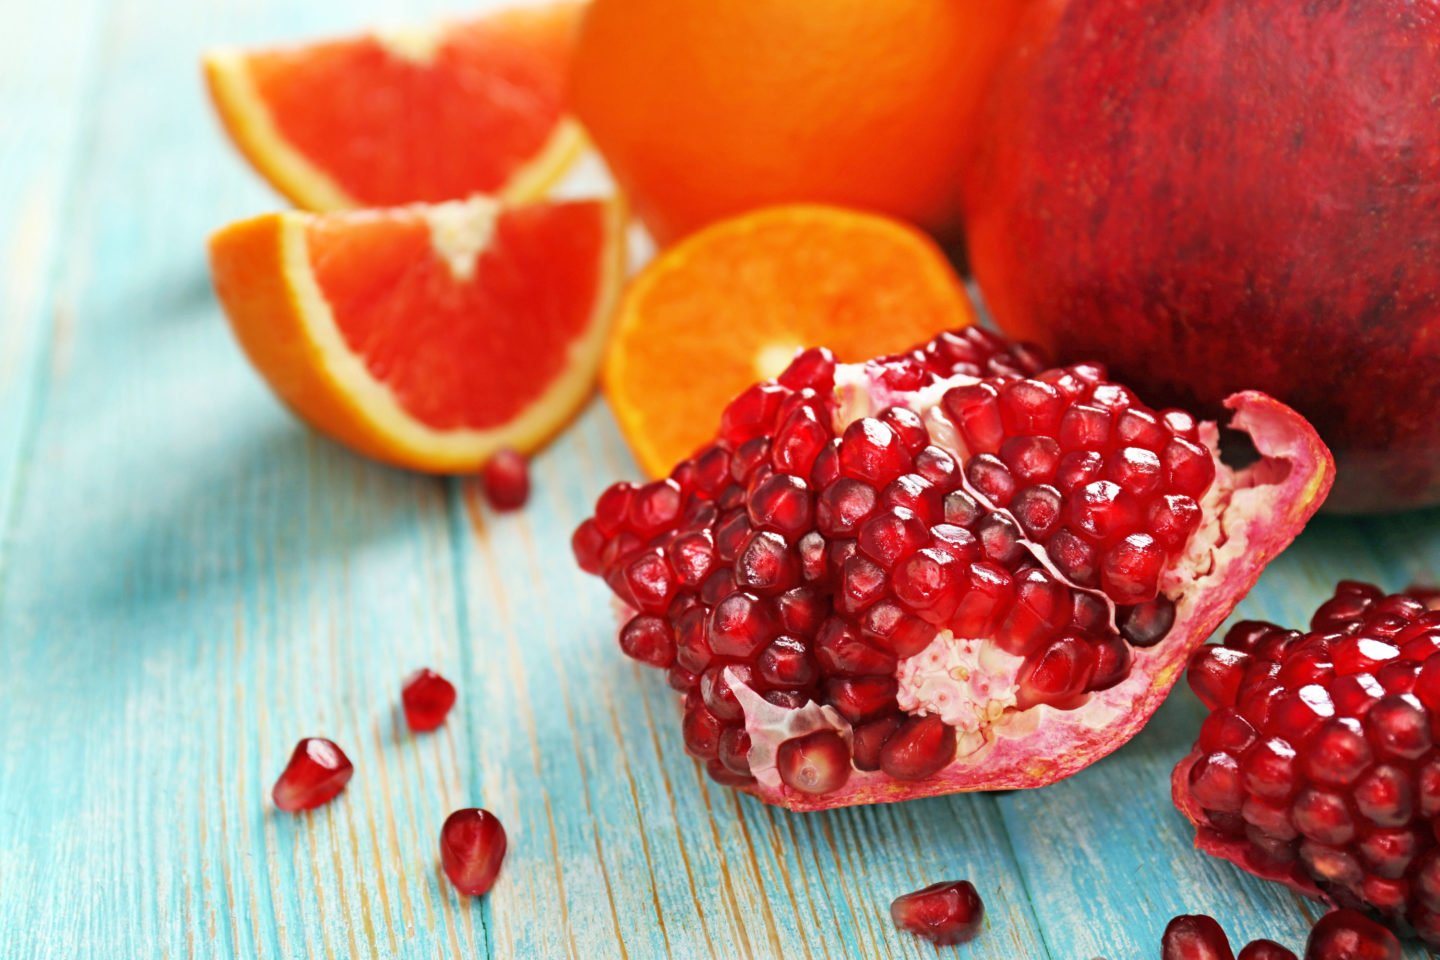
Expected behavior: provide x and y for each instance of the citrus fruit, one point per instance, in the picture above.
(705, 109)
(427, 337)
(736, 301)
(421, 114)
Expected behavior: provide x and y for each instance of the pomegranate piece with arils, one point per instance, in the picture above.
(949, 569)
(1318, 765)
(506, 480)
(944, 913)
(426, 698)
(472, 848)
(318, 770)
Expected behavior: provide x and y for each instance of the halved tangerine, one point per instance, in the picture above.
(427, 336)
(734, 303)
(404, 116)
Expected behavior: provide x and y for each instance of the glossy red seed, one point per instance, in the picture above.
(868, 739)
(751, 414)
(1195, 937)
(891, 536)
(506, 480)
(766, 565)
(587, 543)
(741, 625)
(919, 747)
(813, 368)
(975, 411)
(1264, 950)
(701, 731)
(648, 639)
(1038, 510)
(840, 650)
(908, 427)
(843, 506)
(786, 663)
(735, 751)
(318, 770)
(861, 698)
(816, 764)
(1350, 935)
(472, 849)
(782, 503)
(1084, 427)
(872, 452)
(944, 913)
(1058, 673)
(427, 697)
(991, 479)
(1189, 467)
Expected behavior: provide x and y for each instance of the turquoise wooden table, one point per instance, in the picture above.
(190, 581)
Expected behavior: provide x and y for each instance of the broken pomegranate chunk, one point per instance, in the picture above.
(318, 770)
(1318, 765)
(968, 571)
(472, 848)
(426, 698)
(506, 480)
(944, 913)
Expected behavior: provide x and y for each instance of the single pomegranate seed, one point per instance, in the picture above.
(587, 543)
(1189, 467)
(975, 411)
(841, 651)
(868, 739)
(735, 751)
(908, 427)
(1102, 511)
(1195, 937)
(742, 625)
(1057, 674)
(1265, 950)
(892, 536)
(1171, 519)
(472, 848)
(427, 697)
(318, 770)
(1030, 407)
(843, 506)
(1038, 509)
(1148, 623)
(991, 479)
(1075, 557)
(782, 504)
(1350, 935)
(766, 564)
(1084, 427)
(1139, 428)
(646, 638)
(918, 748)
(751, 414)
(872, 452)
(1130, 570)
(1112, 663)
(862, 698)
(817, 763)
(943, 913)
(701, 730)
(786, 663)
(506, 480)
(813, 368)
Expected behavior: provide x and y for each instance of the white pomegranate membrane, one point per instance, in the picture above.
(945, 570)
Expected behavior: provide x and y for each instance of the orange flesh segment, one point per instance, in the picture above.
(732, 304)
(399, 306)
(390, 130)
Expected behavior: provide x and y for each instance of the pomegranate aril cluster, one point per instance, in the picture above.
(806, 564)
(1319, 757)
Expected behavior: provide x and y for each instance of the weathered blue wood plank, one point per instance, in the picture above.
(195, 581)
(49, 67)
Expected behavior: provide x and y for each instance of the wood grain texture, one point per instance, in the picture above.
(191, 582)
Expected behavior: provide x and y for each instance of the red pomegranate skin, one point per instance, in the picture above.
(1235, 194)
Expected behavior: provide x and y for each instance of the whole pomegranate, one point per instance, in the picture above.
(950, 569)
(1318, 765)
(1238, 194)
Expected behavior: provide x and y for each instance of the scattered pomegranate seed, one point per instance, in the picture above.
(1195, 937)
(318, 770)
(506, 480)
(1350, 935)
(944, 913)
(472, 848)
(427, 698)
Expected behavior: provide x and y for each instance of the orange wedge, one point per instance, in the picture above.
(733, 303)
(429, 337)
(409, 115)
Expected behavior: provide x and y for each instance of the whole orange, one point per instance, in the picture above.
(707, 108)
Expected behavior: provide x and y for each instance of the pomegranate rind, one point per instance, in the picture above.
(1270, 501)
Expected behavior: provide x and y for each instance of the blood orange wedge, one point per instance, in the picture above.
(734, 302)
(427, 336)
(403, 116)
